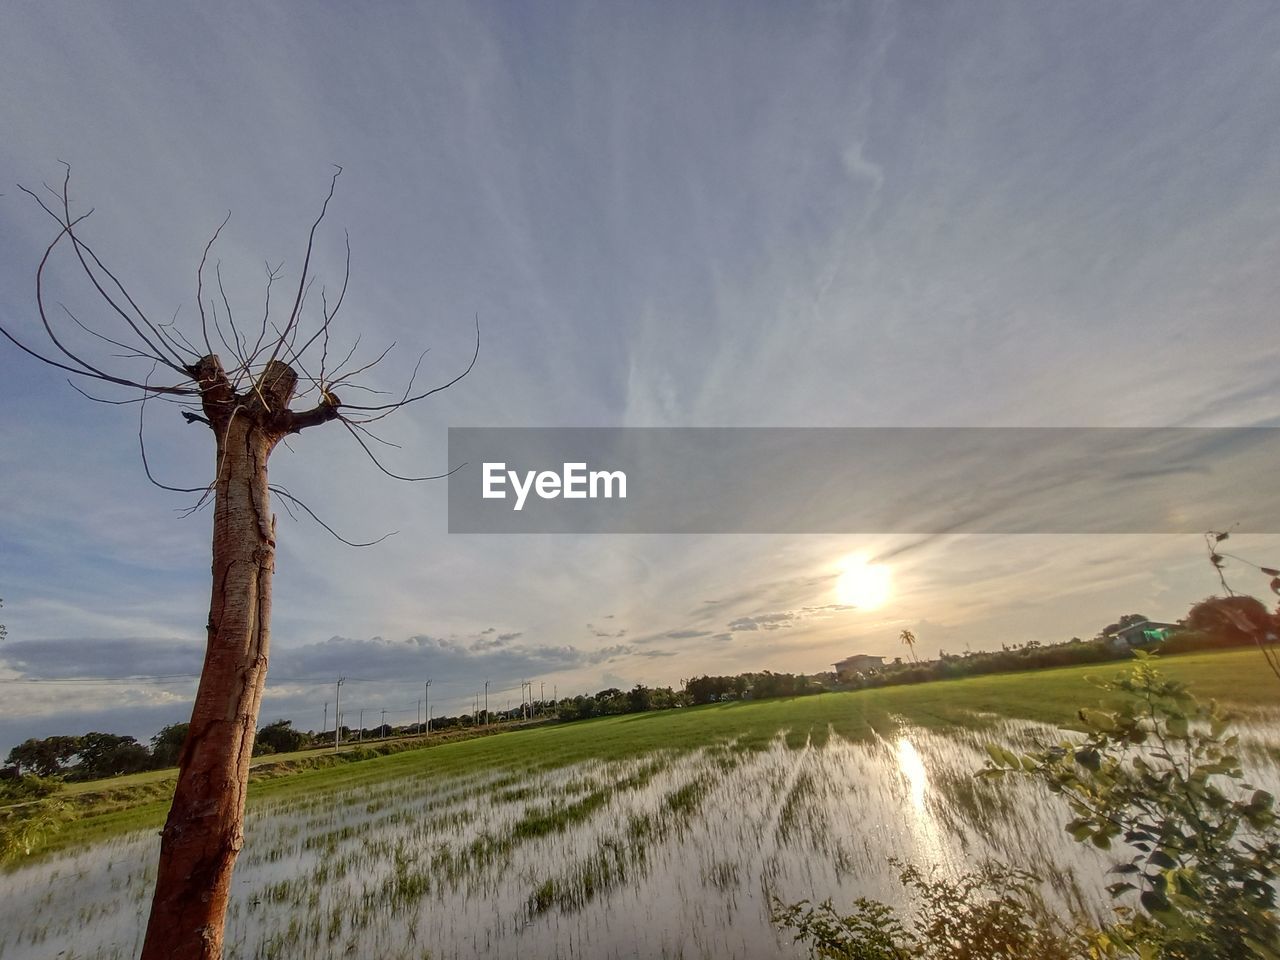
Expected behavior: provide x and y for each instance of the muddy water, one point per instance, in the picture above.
(665, 855)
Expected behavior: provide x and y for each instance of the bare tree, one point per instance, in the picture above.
(251, 396)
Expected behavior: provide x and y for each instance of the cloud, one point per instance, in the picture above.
(424, 655)
(803, 203)
(766, 621)
(113, 657)
(606, 634)
(779, 619)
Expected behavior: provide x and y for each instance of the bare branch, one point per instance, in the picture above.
(113, 403)
(290, 498)
(81, 248)
(377, 463)
(371, 435)
(306, 262)
(422, 396)
(204, 326)
(142, 448)
(84, 369)
(368, 366)
(171, 331)
(272, 276)
(407, 390)
(327, 313)
(231, 320)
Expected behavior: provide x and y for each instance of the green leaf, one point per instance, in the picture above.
(1098, 720)
(1089, 758)
(997, 754)
(1080, 830)
(1154, 902)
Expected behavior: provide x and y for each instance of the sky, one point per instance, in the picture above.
(663, 215)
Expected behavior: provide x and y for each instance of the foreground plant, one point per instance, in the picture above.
(992, 913)
(1160, 774)
(24, 829)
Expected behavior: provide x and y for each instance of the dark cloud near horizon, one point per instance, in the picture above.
(298, 685)
(114, 657)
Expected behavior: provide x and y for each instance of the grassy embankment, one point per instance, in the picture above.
(1239, 678)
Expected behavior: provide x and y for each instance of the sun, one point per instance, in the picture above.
(862, 584)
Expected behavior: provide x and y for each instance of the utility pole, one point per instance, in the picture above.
(362, 724)
(426, 698)
(337, 716)
(486, 703)
(325, 725)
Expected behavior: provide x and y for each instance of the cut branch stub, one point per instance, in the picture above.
(265, 403)
(273, 391)
(217, 395)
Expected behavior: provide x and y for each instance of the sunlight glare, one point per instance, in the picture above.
(912, 768)
(863, 585)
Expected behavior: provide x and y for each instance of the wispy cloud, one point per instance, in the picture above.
(845, 215)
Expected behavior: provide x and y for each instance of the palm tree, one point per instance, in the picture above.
(909, 638)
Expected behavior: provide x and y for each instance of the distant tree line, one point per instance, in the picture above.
(695, 692)
(752, 686)
(95, 755)
(612, 701)
(1213, 624)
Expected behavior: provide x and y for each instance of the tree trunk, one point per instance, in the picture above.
(204, 831)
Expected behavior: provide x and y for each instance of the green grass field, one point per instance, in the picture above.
(1238, 678)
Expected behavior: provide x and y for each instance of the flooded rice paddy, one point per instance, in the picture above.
(665, 855)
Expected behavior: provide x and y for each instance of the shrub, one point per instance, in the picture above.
(27, 787)
(1161, 774)
(992, 913)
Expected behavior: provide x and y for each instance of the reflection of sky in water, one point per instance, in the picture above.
(809, 823)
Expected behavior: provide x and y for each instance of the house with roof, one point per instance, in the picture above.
(847, 668)
(1140, 634)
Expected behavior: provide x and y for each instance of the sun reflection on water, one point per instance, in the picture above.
(912, 768)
